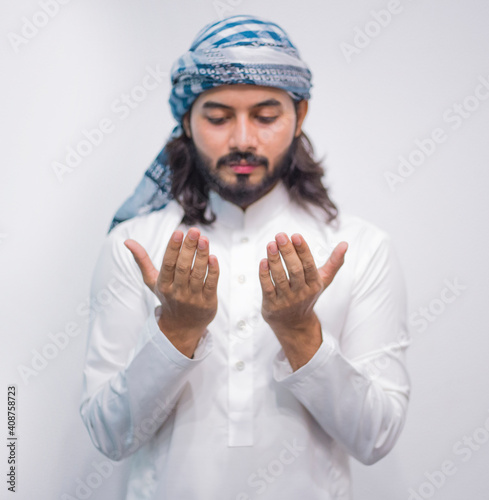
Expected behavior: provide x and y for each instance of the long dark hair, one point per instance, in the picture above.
(302, 179)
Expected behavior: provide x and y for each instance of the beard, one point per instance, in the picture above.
(243, 192)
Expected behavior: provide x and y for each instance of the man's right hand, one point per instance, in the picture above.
(188, 298)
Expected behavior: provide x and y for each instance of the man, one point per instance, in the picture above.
(257, 370)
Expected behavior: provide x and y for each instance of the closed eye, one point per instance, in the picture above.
(267, 119)
(262, 119)
(216, 121)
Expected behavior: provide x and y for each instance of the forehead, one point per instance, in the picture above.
(244, 96)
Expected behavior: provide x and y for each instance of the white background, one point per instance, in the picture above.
(366, 111)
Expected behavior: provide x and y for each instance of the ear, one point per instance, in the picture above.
(301, 114)
(186, 124)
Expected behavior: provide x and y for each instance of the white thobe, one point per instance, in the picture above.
(236, 422)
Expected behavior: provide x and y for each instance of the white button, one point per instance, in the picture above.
(241, 278)
(240, 366)
(242, 324)
(244, 239)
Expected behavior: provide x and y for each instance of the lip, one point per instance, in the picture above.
(243, 169)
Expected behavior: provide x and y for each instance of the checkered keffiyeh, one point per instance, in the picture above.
(238, 49)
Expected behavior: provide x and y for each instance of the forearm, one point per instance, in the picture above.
(127, 409)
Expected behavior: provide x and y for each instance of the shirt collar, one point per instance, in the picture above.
(232, 216)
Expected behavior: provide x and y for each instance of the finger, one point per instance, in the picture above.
(167, 270)
(279, 276)
(311, 274)
(210, 285)
(292, 261)
(333, 264)
(149, 272)
(267, 287)
(197, 274)
(185, 259)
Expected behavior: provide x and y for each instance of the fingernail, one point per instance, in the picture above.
(201, 244)
(193, 235)
(272, 248)
(281, 239)
(177, 237)
(264, 264)
(296, 239)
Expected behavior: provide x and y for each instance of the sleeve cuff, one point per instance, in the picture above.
(282, 370)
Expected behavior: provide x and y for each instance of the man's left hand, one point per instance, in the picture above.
(288, 302)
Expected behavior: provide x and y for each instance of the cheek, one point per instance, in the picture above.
(277, 139)
(278, 136)
(210, 141)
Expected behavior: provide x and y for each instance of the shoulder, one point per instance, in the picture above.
(152, 231)
(149, 227)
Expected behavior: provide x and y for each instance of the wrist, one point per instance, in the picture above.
(183, 339)
(295, 329)
(300, 342)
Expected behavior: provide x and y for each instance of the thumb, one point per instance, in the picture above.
(149, 272)
(333, 264)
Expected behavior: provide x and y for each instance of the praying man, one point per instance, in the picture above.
(253, 337)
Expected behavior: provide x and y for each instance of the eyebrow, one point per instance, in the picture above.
(214, 104)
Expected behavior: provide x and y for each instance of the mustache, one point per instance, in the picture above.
(237, 158)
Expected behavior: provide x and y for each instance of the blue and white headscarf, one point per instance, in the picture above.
(238, 49)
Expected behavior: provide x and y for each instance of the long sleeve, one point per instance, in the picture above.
(356, 385)
(133, 374)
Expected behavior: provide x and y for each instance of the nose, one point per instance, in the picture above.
(243, 134)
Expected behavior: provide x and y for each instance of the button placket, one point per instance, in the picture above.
(240, 353)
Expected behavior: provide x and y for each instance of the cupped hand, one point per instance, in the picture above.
(188, 294)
